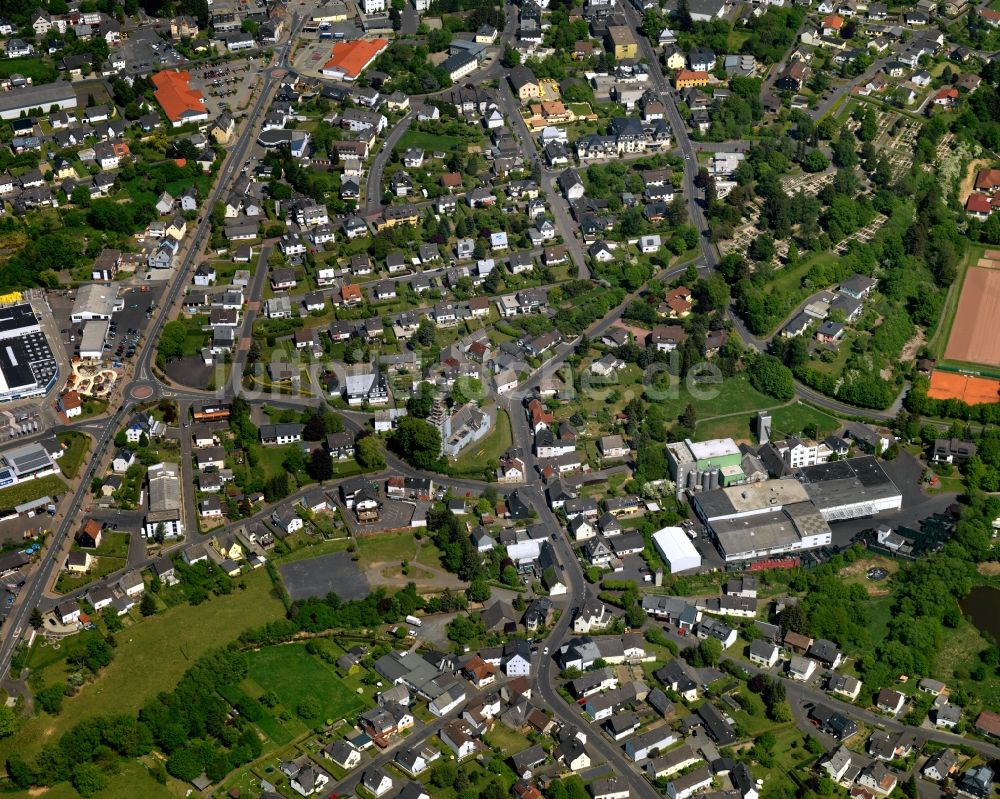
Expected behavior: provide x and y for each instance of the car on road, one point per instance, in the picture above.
(545, 651)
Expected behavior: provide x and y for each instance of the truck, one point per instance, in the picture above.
(414, 621)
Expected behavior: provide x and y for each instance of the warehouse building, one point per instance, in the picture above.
(95, 301)
(95, 333)
(781, 516)
(164, 514)
(45, 96)
(705, 465)
(27, 366)
(676, 549)
(850, 489)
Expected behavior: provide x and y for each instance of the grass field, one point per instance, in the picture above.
(794, 418)
(151, 657)
(295, 675)
(396, 548)
(478, 455)
(428, 141)
(77, 445)
(733, 395)
(50, 485)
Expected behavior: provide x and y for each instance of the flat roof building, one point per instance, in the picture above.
(27, 366)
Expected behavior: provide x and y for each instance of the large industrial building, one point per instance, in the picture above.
(705, 465)
(27, 366)
(676, 549)
(775, 517)
(29, 461)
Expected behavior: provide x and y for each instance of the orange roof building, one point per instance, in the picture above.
(834, 22)
(687, 78)
(349, 59)
(180, 102)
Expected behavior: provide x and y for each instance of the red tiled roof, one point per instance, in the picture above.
(988, 179)
(834, 21)
(352, 57)
(978, 204)
(175, 95)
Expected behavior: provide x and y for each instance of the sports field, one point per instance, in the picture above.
(971, 390)
(971, 339)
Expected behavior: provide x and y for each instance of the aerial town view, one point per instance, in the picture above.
(472, 399)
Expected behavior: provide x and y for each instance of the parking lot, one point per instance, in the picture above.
(317, 577)
(228, 85)
(127, 325)
(144, 48)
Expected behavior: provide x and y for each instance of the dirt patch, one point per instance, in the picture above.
(912, 347)
(857, 572)
(991, 569)
(970, 178)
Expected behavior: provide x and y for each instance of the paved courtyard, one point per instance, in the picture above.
(317, 577)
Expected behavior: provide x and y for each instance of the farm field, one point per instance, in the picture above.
(971, 338)
(150, 657)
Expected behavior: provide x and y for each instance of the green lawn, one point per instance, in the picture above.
(50, 485)
(151, 657)
(733, 395)
(110, 557)
(397, 547)
(295, 675)
(478, 455)
(792, 419)
(77, 445)
(428, 142)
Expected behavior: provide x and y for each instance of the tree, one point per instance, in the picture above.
(120, 439)
(8, 721)
(36, 619)
(88, 779)
(770, 376)
(368, 454)
(421, 403)
(309, 708)
(417, 442)
(511, 57)
(148, 605)
(185, 764)
(320, 465)
(315, 426)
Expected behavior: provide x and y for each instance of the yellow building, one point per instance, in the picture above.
(622, 42)
(686, 78)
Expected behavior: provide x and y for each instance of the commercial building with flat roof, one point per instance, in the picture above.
(850, 489)
(27, 365)
(676, 549)
(778, 516)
